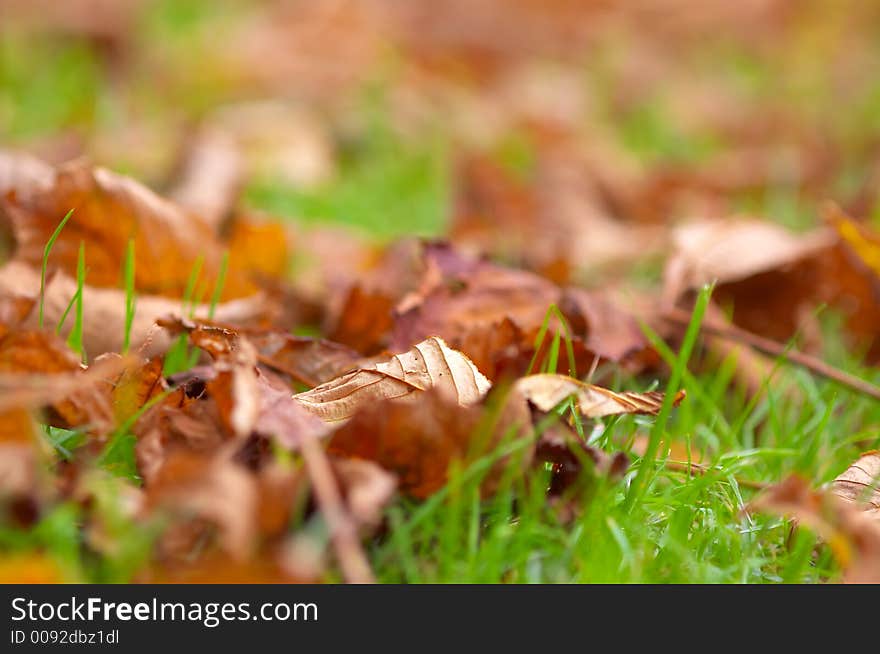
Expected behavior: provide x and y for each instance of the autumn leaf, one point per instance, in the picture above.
(860, 484)
(310, 361)
(852, 535)
(18, 454)
(104, 321)
(417, 441)
(212, 488)
(109, 210)
(38, 369)
(430, 364)
(548, 391)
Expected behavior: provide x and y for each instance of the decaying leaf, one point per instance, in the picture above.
(104, 310)
(853, 535)
(860, 484)
(367, 489)
(18, 461)
(430, 364)
(417, 413)
(38, 369)
(548, 391)
(310, 361)
(108, 211)
(418, 440)
(214, 489)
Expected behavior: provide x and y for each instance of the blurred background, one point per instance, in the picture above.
(425, 117)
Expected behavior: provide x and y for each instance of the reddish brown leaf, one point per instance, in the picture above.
(418, 441)
(311, 361)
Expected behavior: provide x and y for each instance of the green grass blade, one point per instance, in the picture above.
(130, 298)
(638, 486)
(75, 338)
(45, 264)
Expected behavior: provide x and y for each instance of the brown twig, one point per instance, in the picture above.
(771, 347)
(343, 532)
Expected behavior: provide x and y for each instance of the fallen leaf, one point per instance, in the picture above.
(367, 489)
(104, 311)
(212, 488)
(860, 484)
(548, 391)
(430, 364)
(417, 441)
(311, 361)
(41, 361)
(108, 211)
(852, 535)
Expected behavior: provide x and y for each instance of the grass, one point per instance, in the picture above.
(656, 525)
(47, 250)
(130, 296)
(671, 528)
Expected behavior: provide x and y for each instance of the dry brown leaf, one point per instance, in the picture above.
(606, 329)
(367, 489)
(210, 178)
(283, 418)
(459, 294)
(258, 246)
(860, 484)
(548, 391)
(430, 364)
(136, 386)
(18, 461)
(854, 536)
(493, 315)
(774, 280)
(311, 361)
(734, 250)
(214, 489)
(417, 441)
(108, 211)
(38, 368)
(104, 310)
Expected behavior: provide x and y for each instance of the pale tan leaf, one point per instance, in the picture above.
(429, 364)
(104, 310)
(860, 484)
(548, 391)
(731, 250)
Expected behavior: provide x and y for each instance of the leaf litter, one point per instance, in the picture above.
(156, 341)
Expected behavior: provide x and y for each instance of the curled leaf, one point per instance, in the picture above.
(860, 484)
(547, 391)
(430, 364)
